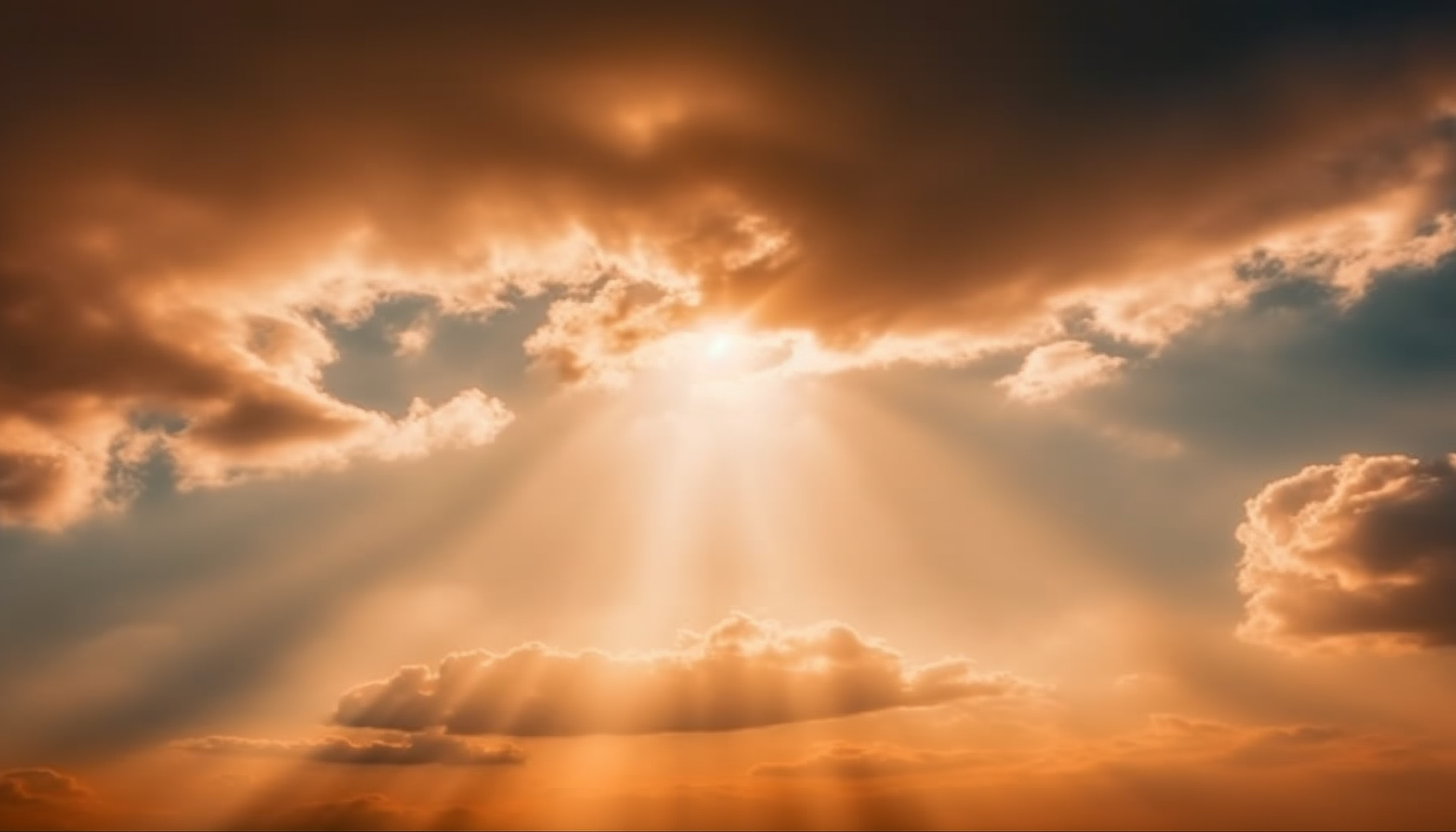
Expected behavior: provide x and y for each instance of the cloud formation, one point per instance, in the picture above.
(190, 193)
(44, 798)
(1361, 553)
(1165, 739)
(368, 812)
(406, 750)
(1178, 737)
(741, 673)
(25, 786)
(1052, 371)
(282, 439)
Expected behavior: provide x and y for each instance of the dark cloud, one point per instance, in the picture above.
(742, 673)
(44, 798)
(1362, 552)
(189, 190)
(364, 812)
(19, 786)
(1296, 743)
(31, 483)
(367, 813)
(409, 749)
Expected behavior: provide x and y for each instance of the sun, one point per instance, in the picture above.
(714, 364)
(718, 365)
(720, 345)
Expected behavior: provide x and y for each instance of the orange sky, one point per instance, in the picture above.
(713, 416)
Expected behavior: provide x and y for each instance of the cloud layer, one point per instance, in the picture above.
(409, 749)
(24, 786)
(1359, 553)
(741, 673)
(190, 194)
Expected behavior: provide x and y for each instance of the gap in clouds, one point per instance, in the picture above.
(456, 352)
(1298, 378)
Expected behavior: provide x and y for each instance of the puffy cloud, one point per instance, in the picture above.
(612, 330)
(1360, 553)
(852, 761)
(414, 338)
(251, 404)
(408, 749)
(741, 673)
(925, 188)
(1052, 371)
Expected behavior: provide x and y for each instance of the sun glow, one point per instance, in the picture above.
(726, 364)
(720, 345)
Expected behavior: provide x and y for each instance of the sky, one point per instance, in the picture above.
(727, 415)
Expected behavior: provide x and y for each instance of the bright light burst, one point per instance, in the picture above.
(720, 345)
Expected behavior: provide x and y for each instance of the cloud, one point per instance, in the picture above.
(178, 230)
(362, 812)
(375, 812)
(851, 761)
(1165, 739)
(48, 482)
(741, 673)
(1296, 743)
(1242, 746)
(409, 749)
(414, 338)
(25, 786)
(1357, 554)
(1052, 371)
(44, 798)
(67, 452)
(288, 437)
(607, 334)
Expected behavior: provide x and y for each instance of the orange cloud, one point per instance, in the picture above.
(414, 338)
(1164, 739)
(1172, 741)
(20, 786)
(371, 812)
(248, 392)
(741, 673)
(408, 749)
(1210, 744)
(364, 812)
(44, 798)
(1360, 553)
(1052, 371)
(175, 238)
(290, 437)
